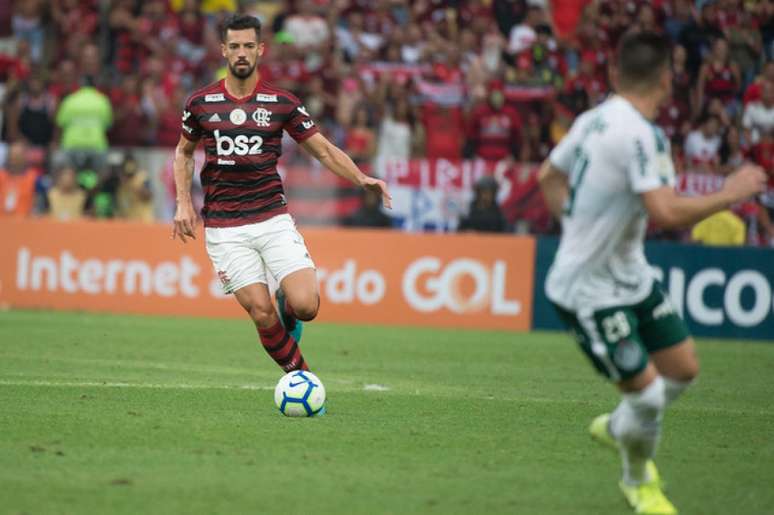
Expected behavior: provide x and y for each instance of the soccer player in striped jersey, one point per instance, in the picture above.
(249, 234)
(610, 173)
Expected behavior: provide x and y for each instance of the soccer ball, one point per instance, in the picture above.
(300, 394)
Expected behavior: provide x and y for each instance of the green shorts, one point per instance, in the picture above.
(618, 339)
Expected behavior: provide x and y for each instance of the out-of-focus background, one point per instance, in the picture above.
(453, 102)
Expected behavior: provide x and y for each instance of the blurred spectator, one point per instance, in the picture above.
(731, 151)
(443, 130)
(484, 214)
(308, 29)
(64, 80)
(134, 198)
(718, 78)
(759, 115)
(697, 37)
(745, 45)
(360, 141)
(28, 26)
(763, 152)
(75, 21)
(507, 13)
(369, 214)
(84, 118)
(131, 124)
(495, 130)
(31, 114)
(66, 200)
(723, 228)
(523, 35)
(395, 132)
(17, 183)
(702, 145)
(753, 91)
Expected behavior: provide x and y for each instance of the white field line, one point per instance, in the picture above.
(108, 384)
(173, 367)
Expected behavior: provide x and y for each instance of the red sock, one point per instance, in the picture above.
(282, 348)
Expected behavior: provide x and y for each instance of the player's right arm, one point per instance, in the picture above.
(555, 187)
(670, 210)
(185, 215)
(553, 176)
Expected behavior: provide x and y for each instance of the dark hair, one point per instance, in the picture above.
(241, 22)
(641, 59)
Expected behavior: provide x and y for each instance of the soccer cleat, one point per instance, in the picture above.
(600, 431)
(291, 324)
(647, 498)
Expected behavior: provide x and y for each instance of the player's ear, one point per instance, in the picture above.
(223, 49)
(261, 48)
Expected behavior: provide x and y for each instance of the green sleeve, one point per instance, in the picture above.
(64, 114)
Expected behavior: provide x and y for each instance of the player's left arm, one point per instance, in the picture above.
(338, 162)
(555, 187)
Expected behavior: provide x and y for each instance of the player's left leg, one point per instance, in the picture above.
(678, 366)
(287, 259)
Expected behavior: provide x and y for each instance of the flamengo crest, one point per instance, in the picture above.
(262, 117)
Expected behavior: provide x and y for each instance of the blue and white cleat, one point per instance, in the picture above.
(292, 325)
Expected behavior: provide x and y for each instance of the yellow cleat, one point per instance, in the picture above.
(600, 431)
(647, 499)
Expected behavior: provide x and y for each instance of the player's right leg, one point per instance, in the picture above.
(678, 366)
(278, 342)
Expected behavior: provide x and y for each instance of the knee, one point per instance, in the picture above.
(688, 372)
(306, 306)
(263, 315)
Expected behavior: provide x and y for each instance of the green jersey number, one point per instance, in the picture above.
(577, 172)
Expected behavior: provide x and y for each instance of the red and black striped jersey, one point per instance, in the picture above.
(242, 142)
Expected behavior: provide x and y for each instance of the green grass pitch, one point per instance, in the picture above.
(103, 414)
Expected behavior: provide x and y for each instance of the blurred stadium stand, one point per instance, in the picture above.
(432, 95)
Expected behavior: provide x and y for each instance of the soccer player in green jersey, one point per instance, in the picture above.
(604, 180)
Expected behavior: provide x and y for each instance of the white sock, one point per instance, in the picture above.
(636, 424)
(674, 388)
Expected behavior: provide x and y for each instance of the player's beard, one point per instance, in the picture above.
(242, 73)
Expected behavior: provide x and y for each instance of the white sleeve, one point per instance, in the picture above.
(650, 160)
(563, 155)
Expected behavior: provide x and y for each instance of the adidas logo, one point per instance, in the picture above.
(215, 118)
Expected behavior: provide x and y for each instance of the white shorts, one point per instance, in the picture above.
(249, 254)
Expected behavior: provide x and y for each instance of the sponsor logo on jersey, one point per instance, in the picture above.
(262, 117)
(226, 162)
(262, 97)
(237, 116)
(215, 118)
(241, 145)
(215, 97)
(302, 110)
(307, 124)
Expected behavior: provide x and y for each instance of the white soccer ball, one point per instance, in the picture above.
(300, 394)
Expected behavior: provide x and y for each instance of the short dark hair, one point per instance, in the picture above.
(241, 22)
(641, 59)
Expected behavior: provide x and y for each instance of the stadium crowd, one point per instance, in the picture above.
(497, 80)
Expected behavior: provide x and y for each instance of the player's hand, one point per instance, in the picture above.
(185, 222)
(378, 186)
(747, 181)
